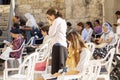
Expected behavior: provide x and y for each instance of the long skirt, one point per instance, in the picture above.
(59, 56)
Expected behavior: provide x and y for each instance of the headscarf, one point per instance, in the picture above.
(108, 26)
(31, 21)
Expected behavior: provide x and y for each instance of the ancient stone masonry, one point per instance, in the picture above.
(73, 10)
(4, 13)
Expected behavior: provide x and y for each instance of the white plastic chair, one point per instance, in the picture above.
(25, 70)
(114, 44)
(117, 47)
(91, 46)
(91, 73)
(107, 63)
(31, 41)
(44, 56)
(19, 59)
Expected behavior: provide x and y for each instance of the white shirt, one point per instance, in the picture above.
(107, 36)
(86, 35)
(46, 40)
(84, 60)
(118, 27)
(57, 32)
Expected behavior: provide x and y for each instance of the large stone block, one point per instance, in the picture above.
(46, 4)
(3, 23)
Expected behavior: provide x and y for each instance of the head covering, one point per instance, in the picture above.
(108, 26)
(15, 31)
(31, 21)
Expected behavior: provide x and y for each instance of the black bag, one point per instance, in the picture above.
(36, 31)
(1, 32)
(115, 73)
(30, 50)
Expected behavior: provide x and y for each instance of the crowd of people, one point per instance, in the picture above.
(68, 43)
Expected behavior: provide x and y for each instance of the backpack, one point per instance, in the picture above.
(115, 73)
(36, 31)
(1, 32)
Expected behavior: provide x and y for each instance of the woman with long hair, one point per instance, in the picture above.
(78, 56)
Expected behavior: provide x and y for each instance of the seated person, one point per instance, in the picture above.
(18, 39)
(107, 38)
(78, 56)
(40, 66)
(44, 32)
(87, 32)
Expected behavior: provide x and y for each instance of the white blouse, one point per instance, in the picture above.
(107, 36)
(86, 35)
(84, 60)
(57, 32)
(118, 27)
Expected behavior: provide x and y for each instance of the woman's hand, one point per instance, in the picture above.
(56, 74)
(72, 72)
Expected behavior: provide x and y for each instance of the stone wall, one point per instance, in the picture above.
(73, 10)
(4, 13)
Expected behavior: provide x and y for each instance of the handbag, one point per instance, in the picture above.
(40, 66)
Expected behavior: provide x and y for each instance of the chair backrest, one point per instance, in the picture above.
(30, 42)
(91, 46)
(93, 70)
(44, 54)
(107, 62)
(27, 67)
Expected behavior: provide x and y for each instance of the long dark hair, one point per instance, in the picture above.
(90, 24)
(55, 12)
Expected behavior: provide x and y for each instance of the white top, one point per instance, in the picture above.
(46, 40)
(31, 22)
(118, 27)
(57, 32)
(84, 60)
(86, 35)
(105, 37)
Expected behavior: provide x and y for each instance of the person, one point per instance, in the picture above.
(80, 27)
(69, 27)
(97, 27)
(44, 31)
(117, 13)
(14, 45)
(57, 33)
(19, 20)
(107, 38)
(78, 56)
(31, 27)
(87, 32)
(97, 31)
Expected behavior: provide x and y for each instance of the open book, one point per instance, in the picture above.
(6, 42)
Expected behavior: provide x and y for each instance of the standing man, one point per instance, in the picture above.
(118, 22)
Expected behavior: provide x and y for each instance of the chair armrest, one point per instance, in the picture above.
(69, 77)
(6, 62)
(11, 69)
